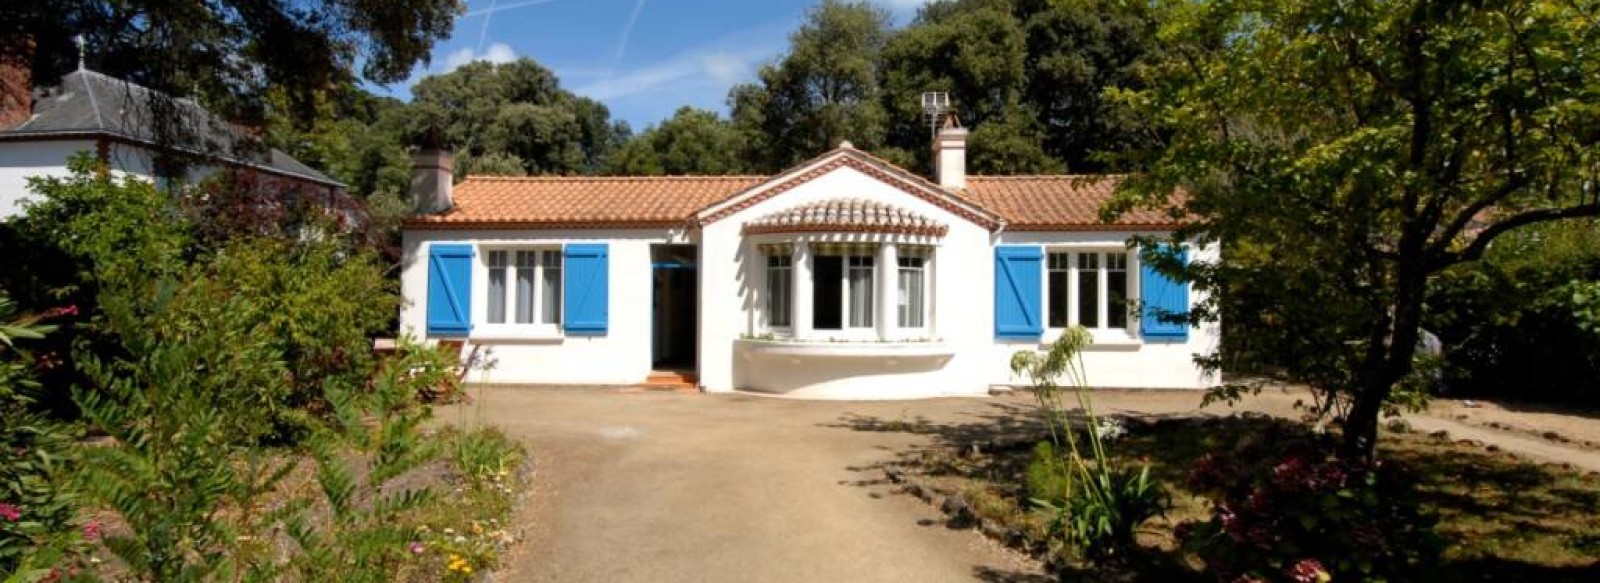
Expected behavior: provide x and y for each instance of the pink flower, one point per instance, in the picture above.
(415, 547)
(10, 512)
(67, 310)
(1309, 571)
(91, 530)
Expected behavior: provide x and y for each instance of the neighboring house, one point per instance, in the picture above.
(117, 122)
(843, 277)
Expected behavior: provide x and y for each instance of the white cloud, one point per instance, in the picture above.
(699, 67)
(498, 53)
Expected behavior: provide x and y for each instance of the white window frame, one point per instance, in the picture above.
(846, 331)
(922, 273)
(510, 328)
(1102, 332)
(788, 291)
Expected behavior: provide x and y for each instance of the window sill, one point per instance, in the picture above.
(1104, 340)
(522, 334)
(844, 349)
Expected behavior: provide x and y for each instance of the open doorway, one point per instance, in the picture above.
(674, 307)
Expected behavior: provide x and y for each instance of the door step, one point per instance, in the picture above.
(671, 381)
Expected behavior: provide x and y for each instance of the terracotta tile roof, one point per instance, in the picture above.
(487, 202)
(846, 215)
(1057, 203)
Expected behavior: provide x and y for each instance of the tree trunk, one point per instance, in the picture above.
(1387, 364)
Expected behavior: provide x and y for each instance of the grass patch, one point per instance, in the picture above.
(1504, 519)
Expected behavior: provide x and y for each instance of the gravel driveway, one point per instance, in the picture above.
(683, 487)
(653, 486)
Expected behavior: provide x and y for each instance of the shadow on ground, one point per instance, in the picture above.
(1504, 519)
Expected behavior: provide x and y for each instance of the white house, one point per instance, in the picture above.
(43, 127)
(844, 277)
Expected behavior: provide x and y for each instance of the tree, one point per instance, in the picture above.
(691, 142)
(975, 51)
(1076, 50)
(823, 92)
(230, 54)
(517, 109)
(1347, 153)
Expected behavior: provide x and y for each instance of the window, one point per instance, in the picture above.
(861, 269)
(842, 291)
(1060, 280)
(780, 279)
(524, 285)
(1088, 289)
(912, 293)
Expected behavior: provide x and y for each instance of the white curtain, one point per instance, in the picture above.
(861, 292)
(497, 287)
(526, 266)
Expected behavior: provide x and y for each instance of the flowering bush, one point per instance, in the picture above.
(1284, 509)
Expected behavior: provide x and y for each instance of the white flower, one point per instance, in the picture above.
(1110, 429)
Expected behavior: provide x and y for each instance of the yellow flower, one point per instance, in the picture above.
(477, 528)
(467, 570)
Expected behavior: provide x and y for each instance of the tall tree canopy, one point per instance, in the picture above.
(1349, 152)
(692, 141)
(826, 90)
(228, 53)
(516, 108)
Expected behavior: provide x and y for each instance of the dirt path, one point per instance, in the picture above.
(670, 487)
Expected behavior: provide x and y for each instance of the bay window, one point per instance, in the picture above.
(1088, 289)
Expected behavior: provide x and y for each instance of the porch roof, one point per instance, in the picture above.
(846, 215)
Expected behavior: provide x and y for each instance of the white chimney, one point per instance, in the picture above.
(432, 181)
(950, 154)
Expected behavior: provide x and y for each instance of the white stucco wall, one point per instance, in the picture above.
(1117, 359)
(22, 160)
(621, 356)
(732, 275)
(964, 357)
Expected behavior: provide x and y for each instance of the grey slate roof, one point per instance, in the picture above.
(855, 215)
(89, 103)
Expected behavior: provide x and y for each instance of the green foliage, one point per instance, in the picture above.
(374, 442)
(317, 305)
(491, 164)
(1519, 325)
(37, 508)
(516, 108)
(485, 456)
(691, 142)
(1348, 153)
(823, 92)
(297, 49)
(1283, 508)
(1095, 502)
(197, 383)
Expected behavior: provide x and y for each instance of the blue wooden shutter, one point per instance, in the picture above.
(587, 288)
(1161, 296)
(1018, 283)
(449, 290)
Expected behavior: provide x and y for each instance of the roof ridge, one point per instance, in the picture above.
(1042, 176)
(592, 178)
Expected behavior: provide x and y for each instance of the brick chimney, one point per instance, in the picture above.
(950, 154)
(16, 81)
(432, 181)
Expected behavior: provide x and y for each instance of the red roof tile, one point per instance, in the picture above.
(581, 201)
(1057, 203)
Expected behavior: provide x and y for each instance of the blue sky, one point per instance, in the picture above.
(642, 58)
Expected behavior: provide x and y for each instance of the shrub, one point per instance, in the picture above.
(1283, 508)
(1095, 502)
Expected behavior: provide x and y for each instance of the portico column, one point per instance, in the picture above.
(800, 293)
(888, 292)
